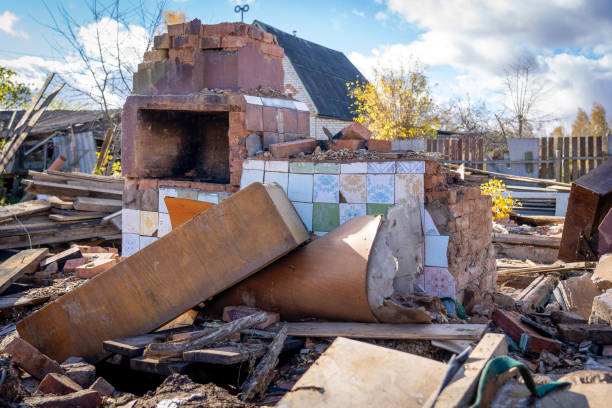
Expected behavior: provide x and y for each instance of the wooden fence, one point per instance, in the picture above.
(462, 149)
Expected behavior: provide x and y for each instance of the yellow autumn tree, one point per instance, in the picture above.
(395, 105)
(173, 17)
(599, 125)
(582, 124)
(558, 132)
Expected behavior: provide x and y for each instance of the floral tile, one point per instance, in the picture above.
(148, 223)
(206, 197)
(439, 282)
(375, 209)
(304, 210)
(411, 166)
(251, 164)
(329, 168)
(325, 217)
(353, 188)
(348, 211)
(130, 221)
(146, 241)
(166, 192)
(130, 244)
(301, 167)
(435, 250)
(381, 167)
(274, 177)
(326, 188)
(164, 225)
(380, 188)
(249, 177)
(409, 186)
(281, 166)
(187, 193)
(300, 187)
(359, 167)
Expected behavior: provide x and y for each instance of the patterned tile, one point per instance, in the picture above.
(130, 244)
(275, 177)
(410, 166)
(280, 166)
(409, 185)
(359, 167)
(165, 226)
(130, 221)
(146, 241)
(206, 197)
(435, 250)
(187, 193)
(301, 167)
(250, 164)
(149, 222)
(353, 188)
(165, 192)
(381, 167)
(300, 187)
(325, 217)
(348, 211)
(380, 188)
(304, 210)
(249, 177)
(374, 209)
(326, 188)
(429, 227)
(329, 168)
(439, 282)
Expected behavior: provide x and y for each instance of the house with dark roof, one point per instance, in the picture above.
(317, 76)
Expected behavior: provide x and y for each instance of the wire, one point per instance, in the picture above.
(25, 229)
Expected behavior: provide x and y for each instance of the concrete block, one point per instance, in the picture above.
(602, 309)
(80, 372)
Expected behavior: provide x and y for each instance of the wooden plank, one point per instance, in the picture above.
(54, 233)
(97, 204)
(23, 209)
(10, 302)
(480, 144)
(134, 346)
(65, 190)
(59, 203)
(599, 149)
(510, 177)
(583, 162)
(429, 144)
(558, 160)
(447, 149)
(77, 217)
(75, 175)
(23, 262)
(590, 151)
(460, 392)
(226, 355)
(566, 167)
(534, 240)
(544, 157)
(388, 331)
(170, 276)
(161, 367)
(575, 165)
(354, 374)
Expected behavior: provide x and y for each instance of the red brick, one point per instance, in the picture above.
(210, 42)
(268, 38)
(351, 144)
(58, 384)
(510, 323)
(190, 41)
(207, 186)
(177, 29)
(256, 33)
(237, 118)
(286, 149)
(272, 50)
(30, 359)
(103, 387)
(303, 122)
(235, 179)
(161, 42)
(148, 184)
(270, 124)
(355, 131)
(95, 267)
(269, 138)
(172, 183)
(81, 399)
(378, 145)
(254, 118)
(231, 313)
(185, 55)
(155, 55)
(194, 27)
(218, 30)
(71, 264)
(290, 124)
(232, 41)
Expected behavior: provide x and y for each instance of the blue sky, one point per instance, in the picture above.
(465, 44)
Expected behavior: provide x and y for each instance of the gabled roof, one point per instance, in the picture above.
(323, 71)
(54, 120)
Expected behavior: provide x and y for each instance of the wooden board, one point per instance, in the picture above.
(182, 210)
(25, 261)
(97, 204)
(134, 346)
(206, 255)
(225, 355)
(9, 302)
(77, 216)
(388, 331)
(9, 212)
(154, 366)
(533, 240)
(356, 374)
(65, 190)
(325, 278)
(75, 175)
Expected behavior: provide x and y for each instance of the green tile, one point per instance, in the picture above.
(373, 209)
(330, 168)
(301, 167)
(325, 216)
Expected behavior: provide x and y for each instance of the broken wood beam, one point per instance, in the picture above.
(532, 240)
(134, 346)
(528, 339)
(70, 191)
(577, 333)
(536, 294)
(26, 261)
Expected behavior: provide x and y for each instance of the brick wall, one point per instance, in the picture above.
(333, 125)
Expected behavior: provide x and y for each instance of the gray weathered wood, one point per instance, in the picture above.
(97, 204)
(25, 261)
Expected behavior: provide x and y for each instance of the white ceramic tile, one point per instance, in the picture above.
(253, 100)
(275, 177)
(300, 187)
(130, 244)
(277, 165)
(358, 167)
(348, 211)
(250, 176)
(149, 222)
(380, 188)
(353, 188)
(439, 282)
(278, 103)
(166, 192)
(435, 250)
(319, 233)
(429, 227)
(130, 221)
(251, 164)
(165, 226)
(409, 186)
(207, 197)
(146, 241)
(326, 188)
(304, 210)
(410, 166)
(381, 167)
(301, 106)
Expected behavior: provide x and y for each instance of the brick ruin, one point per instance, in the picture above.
(208, 97)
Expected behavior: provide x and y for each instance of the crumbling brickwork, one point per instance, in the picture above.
(462, 212)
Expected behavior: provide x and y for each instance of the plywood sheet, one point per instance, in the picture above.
(355, 374)
(206, 255)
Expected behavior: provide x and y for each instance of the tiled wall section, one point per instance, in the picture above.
(326, 195)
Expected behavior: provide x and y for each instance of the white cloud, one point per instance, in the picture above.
(381, 16)
(7, 20)
(358, 13)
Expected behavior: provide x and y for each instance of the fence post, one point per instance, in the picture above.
(558, 175)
